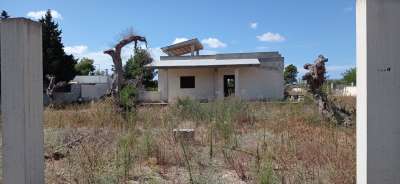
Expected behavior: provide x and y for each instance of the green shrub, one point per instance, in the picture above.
(147, 145)
(222, 114)
(189, 109)
(127, 97)
(125, 154)
(308, 100)
(267, 174)
(229, 110)
(226, 113)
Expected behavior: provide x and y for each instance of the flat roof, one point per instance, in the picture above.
(217, 60)
(203, 63)
(182, 48)
(90, 79)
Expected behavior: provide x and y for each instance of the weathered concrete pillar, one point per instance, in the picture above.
(163, 84)
(237, 87)
(215, 83)
(22, 101)
(378, 93)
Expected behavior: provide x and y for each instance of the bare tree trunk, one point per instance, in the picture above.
(116, 57)
(50, 88)
(115, 54)
(315, 78)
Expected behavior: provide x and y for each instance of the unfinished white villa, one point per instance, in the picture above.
(249, 76)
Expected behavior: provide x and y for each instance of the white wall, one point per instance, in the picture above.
(378, 98)
(349, 91)
(254, 83)
(260, 83)
(92, 92)
(163, 84)
(204, 84)
(149, 96)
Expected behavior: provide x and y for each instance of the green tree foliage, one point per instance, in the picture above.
(350, 76)
(85, 66)
(55, 61)
(4, 15)
(290, 74)
(135, 67)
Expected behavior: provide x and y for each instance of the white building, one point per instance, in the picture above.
(350, 91)
(249, 76)
(91, 87)
(83, 88)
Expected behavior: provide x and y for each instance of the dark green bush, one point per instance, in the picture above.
(127, 97)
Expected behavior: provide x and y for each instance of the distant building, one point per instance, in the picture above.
(91, 87)
(344, 90)
(249, 76)
(295, 92)
(349, 91)
(83, 88)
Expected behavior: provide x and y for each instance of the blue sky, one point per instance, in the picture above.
(299, 30)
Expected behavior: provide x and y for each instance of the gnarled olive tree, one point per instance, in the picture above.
(115, 54)
(315, 78)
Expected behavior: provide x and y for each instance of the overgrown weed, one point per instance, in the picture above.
(235, 141)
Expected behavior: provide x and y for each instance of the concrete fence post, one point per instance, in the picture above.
(22, 101)
(378, 91)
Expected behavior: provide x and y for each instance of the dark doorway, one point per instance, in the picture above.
(229, 85)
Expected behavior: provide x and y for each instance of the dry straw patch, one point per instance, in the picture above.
(235, 142)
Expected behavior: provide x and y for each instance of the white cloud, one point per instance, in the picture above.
(103, 61)
(127, 52)
(99, 57)
(76, 50)
(156, 53)
(253, 25)
(42, 13)
(213, 43)
(271, 37)
(178, 40)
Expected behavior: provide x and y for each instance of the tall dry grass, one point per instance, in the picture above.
(235, 142)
